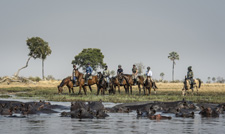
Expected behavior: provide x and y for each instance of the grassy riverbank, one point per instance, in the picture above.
(210, 93)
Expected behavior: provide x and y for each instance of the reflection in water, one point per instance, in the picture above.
(116, 123)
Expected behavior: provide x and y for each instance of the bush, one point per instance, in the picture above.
(50, 77)
(37, 79)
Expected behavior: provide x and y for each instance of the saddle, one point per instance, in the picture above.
(89, 78)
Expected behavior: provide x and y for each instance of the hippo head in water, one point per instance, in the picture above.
(209, 112)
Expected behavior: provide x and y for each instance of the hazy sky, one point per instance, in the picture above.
(127, 32)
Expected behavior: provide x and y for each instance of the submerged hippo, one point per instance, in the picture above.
(146, 112)
(159, 117)
(209, 112)
(184, 113)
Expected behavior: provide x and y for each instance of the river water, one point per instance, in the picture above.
(116, 123)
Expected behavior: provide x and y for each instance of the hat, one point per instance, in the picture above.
(189, 67)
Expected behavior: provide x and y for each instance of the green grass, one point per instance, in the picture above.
(50, 94)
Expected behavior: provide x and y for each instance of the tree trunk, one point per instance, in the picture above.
(173, 72)
(17, 73)
(43, 76)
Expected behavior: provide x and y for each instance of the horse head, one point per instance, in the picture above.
(60, 89)
(77, 73)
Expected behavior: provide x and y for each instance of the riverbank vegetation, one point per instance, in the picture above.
(210, 93)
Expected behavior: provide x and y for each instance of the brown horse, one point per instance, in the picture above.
(68, 82)
(118, 81)
(148, 85)
(187, 85)
(101, 84)
(140, 81)
(129, 81)
(81, 81)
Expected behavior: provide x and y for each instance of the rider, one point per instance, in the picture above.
(190, 76)
(106, 74)
(73, 78)
(134, 74)
(88, 73)
(120, 71)
(149, 73)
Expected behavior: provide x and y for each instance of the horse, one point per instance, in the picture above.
(148, 85)
(130, 82)
(140, 82)
(102, 85)
(81, 81)
(187, 85)
(118, 81)
(68, 82)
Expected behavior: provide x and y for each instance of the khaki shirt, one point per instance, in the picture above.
(134, 70)
(106, 72)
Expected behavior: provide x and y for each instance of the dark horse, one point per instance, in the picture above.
(81, 81)
(102, 85)
(130, 82)
(140, 83)
(118, 81)
(68, 82)
(148, 85)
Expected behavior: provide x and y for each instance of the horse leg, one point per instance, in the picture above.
(98, 90)
(85, 90)
(80, 90)
(130, 89)
(90, 88)
(139, 87)
(149, 90)
(119, 88)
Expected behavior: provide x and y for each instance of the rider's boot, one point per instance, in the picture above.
(74, 83)
(86, 82)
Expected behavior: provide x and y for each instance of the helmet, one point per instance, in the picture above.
(119, 66)
(88, 63)
(106, 66)
(74, 65)
(189, 67)
(148, 67)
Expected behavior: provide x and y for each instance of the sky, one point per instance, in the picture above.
(126, 31)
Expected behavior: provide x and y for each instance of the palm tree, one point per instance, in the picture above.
(173, 56)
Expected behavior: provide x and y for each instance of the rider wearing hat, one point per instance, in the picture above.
(134, 74)
(106, 74)
(190, 76)
(73, 78)
(88, 73)
(119, 70)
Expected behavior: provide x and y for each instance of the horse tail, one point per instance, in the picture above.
(62, 83)
(200, 82)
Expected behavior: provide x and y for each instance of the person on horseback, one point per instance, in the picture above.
(106, 74)
(120, 72)
(134, 74)
(190, 76)
(149, 73)
(88, 73)
(73, 78)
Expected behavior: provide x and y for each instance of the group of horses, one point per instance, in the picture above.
(124, 80)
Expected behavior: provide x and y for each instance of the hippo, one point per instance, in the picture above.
(209, 112)
(77, 105)
(184, 113)
(96, 105)
(159, 117)
(101, 114)
(81, 113)
(146, 112)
